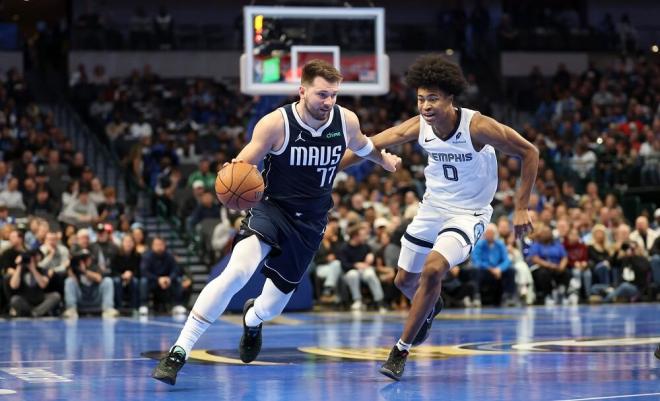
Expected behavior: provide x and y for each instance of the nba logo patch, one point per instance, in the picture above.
(478, 231)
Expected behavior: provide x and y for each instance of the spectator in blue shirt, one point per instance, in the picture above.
(493, 267)
(548, 261)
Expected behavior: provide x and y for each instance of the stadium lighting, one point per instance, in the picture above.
(654, 48)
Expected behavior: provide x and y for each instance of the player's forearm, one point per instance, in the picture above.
(349, 160)
(530, 166)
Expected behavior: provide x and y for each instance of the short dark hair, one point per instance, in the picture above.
(434, 71)
(319, 68)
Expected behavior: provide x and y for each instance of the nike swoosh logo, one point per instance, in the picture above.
(480, 214)
(429, 140)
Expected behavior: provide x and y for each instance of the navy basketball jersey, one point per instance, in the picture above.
(299, 175)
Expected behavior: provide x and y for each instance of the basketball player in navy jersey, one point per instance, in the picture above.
(461, 180)
(302, 144)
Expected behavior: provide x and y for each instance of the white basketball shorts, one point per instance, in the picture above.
(450, 232)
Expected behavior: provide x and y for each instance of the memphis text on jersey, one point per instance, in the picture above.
(451, 157)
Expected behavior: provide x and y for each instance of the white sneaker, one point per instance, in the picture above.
(143, 310)
(71, 313)
(356, 305)
(382, 310)
(179, 310)
(549, 301)
(466, 302)
(110, 313)
(573, 299)
(476, 303)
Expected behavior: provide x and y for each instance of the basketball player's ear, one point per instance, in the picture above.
(301, 91)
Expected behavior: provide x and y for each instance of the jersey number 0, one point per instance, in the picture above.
(451, 173)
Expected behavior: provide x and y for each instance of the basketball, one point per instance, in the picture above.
(239, 186)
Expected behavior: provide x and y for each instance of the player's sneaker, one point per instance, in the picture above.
(425, 330)
(251, 340)
(169, 366)
(657, 352)
(396, 362)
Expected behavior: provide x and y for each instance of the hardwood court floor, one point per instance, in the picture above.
(530, 354)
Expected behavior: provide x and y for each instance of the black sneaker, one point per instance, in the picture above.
(657, 352)
(425, 330)
(396, 362)
(251, 340)
(170, 365)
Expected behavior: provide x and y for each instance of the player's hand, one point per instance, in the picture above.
(235, 160)
(390, 161)
(522, 223)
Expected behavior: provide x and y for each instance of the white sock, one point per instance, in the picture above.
(192, 330)
(403, 346)
(268, 305)
(215, 297)
(251, 318)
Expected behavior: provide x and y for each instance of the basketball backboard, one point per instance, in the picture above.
(278, 41)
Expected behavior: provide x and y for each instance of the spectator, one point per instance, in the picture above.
(11, 196)
(80, 212)
(208, 209)
(110, 210)
(56, 260)
(490, 259)
(357, 261)
(204, 175)
(643, 235)
(87, 287)
(125, 266)
(28, 283)
(634, 273)
(163, 277)
(600, 258)
(548, 261)
(578, 264)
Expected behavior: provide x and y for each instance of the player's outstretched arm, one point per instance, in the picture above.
(402, 133)
(268, 134)
(487, 131)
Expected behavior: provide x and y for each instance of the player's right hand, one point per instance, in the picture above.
(236, 160)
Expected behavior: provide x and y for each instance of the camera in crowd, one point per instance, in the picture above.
(27, 256)
(81, 256)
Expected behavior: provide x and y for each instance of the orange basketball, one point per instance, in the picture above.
(239, 186)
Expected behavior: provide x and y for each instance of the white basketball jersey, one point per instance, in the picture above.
(457, 176)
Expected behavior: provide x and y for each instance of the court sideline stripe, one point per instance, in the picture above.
(77, 360)
(611, 397)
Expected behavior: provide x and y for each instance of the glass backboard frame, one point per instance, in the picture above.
(249, 86)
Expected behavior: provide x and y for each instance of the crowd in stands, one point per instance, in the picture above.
(67, 244)
(598, 133)
(542, 25)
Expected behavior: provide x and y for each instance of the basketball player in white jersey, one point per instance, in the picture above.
(461, 180)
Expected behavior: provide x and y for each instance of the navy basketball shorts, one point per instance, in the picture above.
(294, 238)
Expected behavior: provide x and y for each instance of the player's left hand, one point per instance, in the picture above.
(522, 223)
(390, 161)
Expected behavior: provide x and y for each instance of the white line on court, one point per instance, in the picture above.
(76, 360)
(612, 397)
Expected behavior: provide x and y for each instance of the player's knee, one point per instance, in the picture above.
(435, 268)
(404, 280)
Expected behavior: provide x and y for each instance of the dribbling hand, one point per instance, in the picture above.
(390, 161)
(235, 160)
(522, 223)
